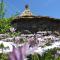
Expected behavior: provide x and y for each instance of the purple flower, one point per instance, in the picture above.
(31, 42)
(18, 53)
(21, 53)
(12, 55)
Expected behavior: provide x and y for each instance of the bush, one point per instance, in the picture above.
(3, 56)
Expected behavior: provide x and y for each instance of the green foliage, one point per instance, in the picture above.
(48, 55)
(34, 57)
(58, 58)
(2, 46)
(14, 34)
(3, 56)
(5, 24)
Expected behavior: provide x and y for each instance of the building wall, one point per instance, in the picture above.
(37, 24)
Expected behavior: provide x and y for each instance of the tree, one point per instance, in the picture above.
(2, 12)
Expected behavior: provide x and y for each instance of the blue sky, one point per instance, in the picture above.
(38, 7)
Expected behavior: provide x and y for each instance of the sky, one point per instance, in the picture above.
(49, 8)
